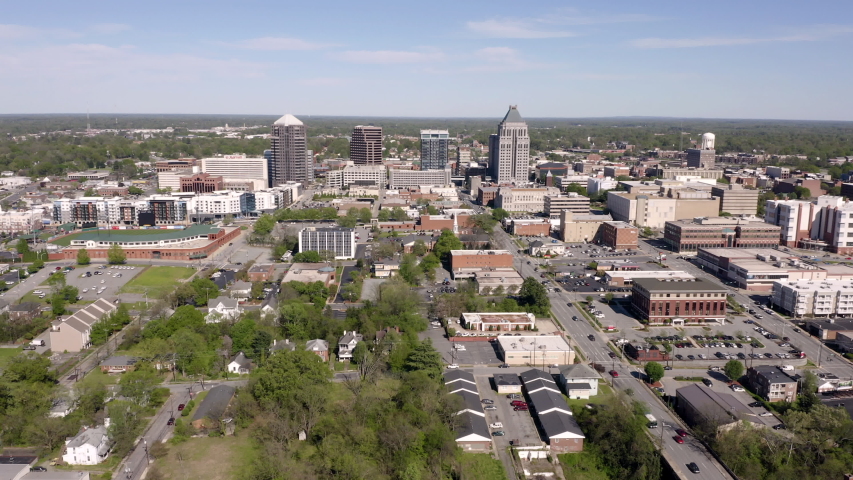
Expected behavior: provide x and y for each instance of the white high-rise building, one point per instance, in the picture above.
(236, 167)
(290, 161)
(509, 149)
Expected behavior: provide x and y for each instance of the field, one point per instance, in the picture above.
(211, 458)
(158, 281)
(481, 466)
(582, 466)
(7, 353)
(66, 240)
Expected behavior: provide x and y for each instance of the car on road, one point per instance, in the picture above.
(591, 337)
(614, 373)
(453, 366)
(496, 425)
(667, 367)
(38, 469)
(678, 439)
(780, 426)
(171, 421)
(707, 382)
(693, 467)
(499, 433)
(181, 406)
(755, 404)
(612, 355)
(503, 365)
(765, 414)
(738, 388)
(681, 432)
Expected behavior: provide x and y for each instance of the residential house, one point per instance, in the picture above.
(472, 433)
(72, 334)
(579, 381)
(347, 343)
(118, 364)
(507, 382)
(241, 291)
(240, 365)
(319, 347)
(90, 447)
(222, 308)
(283, 345)
(269, 307)
(261, 272)
(26, 310)
(213, 406)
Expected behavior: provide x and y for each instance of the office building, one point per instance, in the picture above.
(509, 149)
(290, 160)
(365, 148)
(574, 202)
(654, 210)
(737, 200)
(619, 235)
(399, 178)
(341, 241)
(772, 384)
(672, 173)
(202, 183)
(576, 228)
(359, 175)
(535, 349)
(596, 184)
(660, 302)
(237, 167)
(720, 232)
(492, 321)
(468, 262)
(530, 200)
(434, 145)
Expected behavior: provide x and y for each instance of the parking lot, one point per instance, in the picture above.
(105, 282)
(517, 425)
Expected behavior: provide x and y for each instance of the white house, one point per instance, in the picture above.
(347, 344)
(223, 308)
(89, 447)
(579, 381)
(240, 365)
(241, 291)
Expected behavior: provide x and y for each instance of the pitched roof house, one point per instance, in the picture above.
(579, 380)
(90, 447)
(240, 365)
(72, 333)
(222, 308)
(347, 343)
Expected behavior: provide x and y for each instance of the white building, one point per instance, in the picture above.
(20, 222)
(530, 200)
(89, 447)
(509, 149)
(814, 298)
(498, 321)
(341, 241)
(794, 216)
(217, 204)
(14, 181)
(236, 167)
(171, 179)
(535, 350)
(222, 308)
(399, 178)
(361, 175)
(597, 184)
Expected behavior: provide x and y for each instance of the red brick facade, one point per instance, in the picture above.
(659, 302)
(480, 258)
(619, 235)
(202, 183)
(164, 253)
(532, 229)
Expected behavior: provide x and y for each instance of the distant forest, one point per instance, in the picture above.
(59, 153)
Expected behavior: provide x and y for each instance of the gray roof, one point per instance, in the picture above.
(512, 116)
(718, 407)
(507, 379)
(538, 383)
(470, 424)
(579, 370)
(227, 302)
(242, 360)
(241, 285)
(773, 374)
(317, 345)
(536, 243)
(282, 345)
(547, 400)
(533, 374)
(456, 375)
(655, 285)
(556, 423)
(90, 436)
(215, 403)
(578, 386)
(350, 337)
(118, 361)
(470, 400)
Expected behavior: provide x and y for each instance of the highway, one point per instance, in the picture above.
(630, 378)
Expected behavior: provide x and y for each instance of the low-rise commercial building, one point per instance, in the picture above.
(620, 235)
(772, 384)
(359, 175)
(661, 302)
(554, 247)
(532, 227)
(581, 228)
(554, 204)
(649, 210)
(535, 350)
(706, 409)
(830, 329)
(495, 281)
(720, 232)
(625, 278)
(479, 259)
(501, 322)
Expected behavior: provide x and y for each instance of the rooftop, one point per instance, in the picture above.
(533, 374)
(578, 370)
(549, 342)
(288, 120)
(506, 379)
(479, 252)
(773, 374)
(516, 317)
(512, 116)
(655, 285)
(720, 407)
(215, 403)
(147, 235)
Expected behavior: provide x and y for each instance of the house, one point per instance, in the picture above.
(772, 384)
(579, 381)
(319, 347)
(213, 406)
(507, 382)
(72, 333)
(222, 308)
(562, 432)
(27, 310)
(470, 402)
(90, 447)
(241, 291)
(472, 433)
(240, 365)
(283, 345)
(347, 343)
(118, 364)
(261, 272)
(553, 247)
(269, 307)
(384, 268)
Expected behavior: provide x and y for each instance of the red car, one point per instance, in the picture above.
(518, 403)
(614, 373)
(678, 439)
(680, 432)
(181, 406)
(521, 408)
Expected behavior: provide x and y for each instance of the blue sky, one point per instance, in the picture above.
(723, 59)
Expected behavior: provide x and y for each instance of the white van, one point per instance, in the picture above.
(787, 368)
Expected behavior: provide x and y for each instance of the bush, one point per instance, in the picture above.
(188, 408)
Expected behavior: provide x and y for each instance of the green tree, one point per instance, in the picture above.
(228, 219)
(648, 232)
(654, 371)
(264, 224)
(534, 297)
(733, 369)
(499, 214)
(424, 358)
(398, 214)
(261, 345)
(359, 353)
(808, 398)
(609, 297)
(286, 374)
(242, 334)
(592, 266)
(57, 304)
(419, 248)
(384, 216)
(802, 193)
(138, 384)
(116, 255)
(83, 257)
(90, 192)
(35, 266)
(22, 246)
(310, 256)
(365, 215)
(135, 190)
(725, 214)
(28, 368)
(446, 242)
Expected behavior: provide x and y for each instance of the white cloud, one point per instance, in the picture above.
(24, 32)
(278, 43)
(389, 56)
(514, 29)
(109, 28)
(501, 59)
(811, 34)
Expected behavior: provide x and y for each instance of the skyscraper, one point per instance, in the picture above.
(365, 148)
(290, 159)
(509, 149)
(434, 145)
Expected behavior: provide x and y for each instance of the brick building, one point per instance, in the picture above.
(461, 259)
(261, 272)
(720, 232)
(645, 353)
(772, 384)
(202, 183)
(112, 191)
(660, 302)
(619, 235)
(435, 223)
(534, 227)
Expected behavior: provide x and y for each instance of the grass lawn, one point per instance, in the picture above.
(605, 395)
(481, 466)
(66, 240)
(582, 466)
(211, 458)
(7, 353)
(158, 280)
(31, 297)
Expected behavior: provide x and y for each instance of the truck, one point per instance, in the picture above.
(653, 422)
(37, 343)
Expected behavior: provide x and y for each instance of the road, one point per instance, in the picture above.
(630, 378)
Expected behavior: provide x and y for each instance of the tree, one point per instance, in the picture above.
(348, 221)
(310, 256)
(57, 304)
(22, 246)
(802, 193)
(257, 290)
(499, 214)
(725, 214)
(609, 297)
(733, 369)
(365, 215)
(264, 224)
(654, 371)
(138, 384)
(398, 214)
(588, 299)
(228, 219)
(35, 266)
(648, 232)
(83, 257)
(116, 255)
(446, 242)
(359, 353)
(534, 297)
(384, 215)
(808, 393)
(419, 248)
(135, 190)
(592, 266)
(424, 358)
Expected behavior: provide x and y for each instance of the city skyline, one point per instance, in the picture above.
(759, 60)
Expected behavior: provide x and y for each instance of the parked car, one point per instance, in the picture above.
(681, 432)
(490, 407)
(499, 433)
(488, 401)
(521, 408)
(496, 425)
(707, 382)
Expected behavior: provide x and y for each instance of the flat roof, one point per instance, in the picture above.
(636, 274)
(514, 317)
(146, 235)
(479, 252)
(655, 285)
(526, 343)
(721, 407)
(745, 252)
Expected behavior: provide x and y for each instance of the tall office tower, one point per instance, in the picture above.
(268, 157)
(434, 145)
(509, 149)
(365, 148)
(290, 161)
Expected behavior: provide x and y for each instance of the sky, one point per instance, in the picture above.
(753, 59)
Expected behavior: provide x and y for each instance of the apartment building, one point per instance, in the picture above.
(772, 384)
(795, 218)
(359, 175)
(236, 167)
(400, 178)
(814, 298)
(620, 235)
(662, 302)
(341, 241)
(572, 201)
(720, 232)
(736, 199)
(434, 149)
(20, 222)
